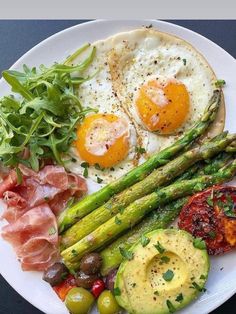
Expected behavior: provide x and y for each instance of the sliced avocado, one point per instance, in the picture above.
(163, 276)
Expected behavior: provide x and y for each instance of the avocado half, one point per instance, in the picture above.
(163, 276)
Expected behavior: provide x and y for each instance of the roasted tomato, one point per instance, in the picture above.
(211, 215)
(63, 288)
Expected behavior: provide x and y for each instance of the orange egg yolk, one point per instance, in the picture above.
(103, 139)
(163, 106)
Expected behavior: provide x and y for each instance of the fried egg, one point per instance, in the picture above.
(150, 87)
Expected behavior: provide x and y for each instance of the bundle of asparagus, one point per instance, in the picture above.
(157, 178)
(144, 189)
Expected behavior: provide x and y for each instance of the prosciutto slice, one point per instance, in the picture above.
(52, 185)
(31, 212)
(34, 237)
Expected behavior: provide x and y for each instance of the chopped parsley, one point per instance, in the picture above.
(140, 150)
(184, 61)
(74, 252)
(64, 275)
(99, 180)
(220, 83)
(197, 287)
(117, 291)
(52, 231)
(210, 201)
(199, 243)
(126, 254)
(159, 247)
(156, 292)
(179, 298)
(168, 276)
(144, 240)
(203, 277)
(117, 221)
(170, 306)
(98, 167)
(134, 285)
(165, 259)
(228, 207)
(121, 209)
(85, 173)
(212, 234)
(84, 164)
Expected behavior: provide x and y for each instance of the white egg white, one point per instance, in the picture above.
(124, 63)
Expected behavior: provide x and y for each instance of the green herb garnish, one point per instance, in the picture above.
(117, 221)
(85, 173)
(220, 83)
(64, 275)
(144, 240)
(159, 247)
(168, 276)
(126, 254)
(165, 259)
(140, 150)
(170, 306)
(84, 164)
(98, 167)
(179, 298)
(199, 243)
(99, 180)
(197, 287)
(74, 252)
(210, 201)
(212, 234)
(184, 61)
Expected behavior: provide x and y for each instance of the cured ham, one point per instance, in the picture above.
(34, 237)
(52, 185)
(31, 212)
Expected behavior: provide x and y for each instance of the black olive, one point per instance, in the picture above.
(85, 281)
(91, 263)
(55, 274)
(110, 279)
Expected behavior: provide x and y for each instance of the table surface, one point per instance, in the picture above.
(18, 36)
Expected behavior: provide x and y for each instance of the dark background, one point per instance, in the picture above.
(17, 37)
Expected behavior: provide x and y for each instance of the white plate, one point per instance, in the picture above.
(221, 283)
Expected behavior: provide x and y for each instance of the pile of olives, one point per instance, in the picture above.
(80, 299)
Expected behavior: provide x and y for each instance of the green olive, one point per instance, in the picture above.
(107, 303)
(79, 301)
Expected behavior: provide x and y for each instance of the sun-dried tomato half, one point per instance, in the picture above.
(211, 215)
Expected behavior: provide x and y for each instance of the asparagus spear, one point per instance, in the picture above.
(161, 218)
(156, 179)
(93, 201)
(138, 209)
